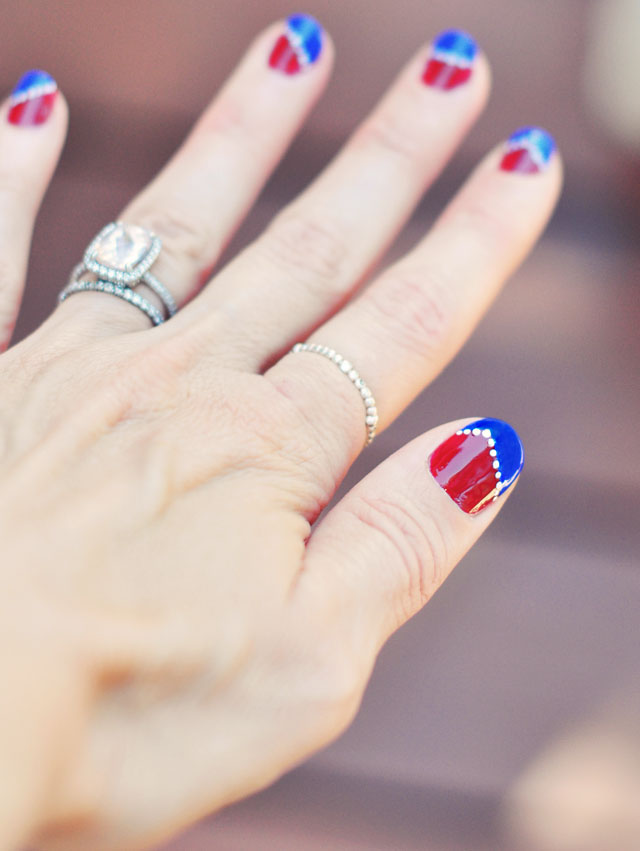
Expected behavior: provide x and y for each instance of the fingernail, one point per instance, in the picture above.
(528, 151)
(299, 46)
(478, 464)
(451, 61)
(32, 99)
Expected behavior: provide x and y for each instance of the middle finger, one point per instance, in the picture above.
(320, 247)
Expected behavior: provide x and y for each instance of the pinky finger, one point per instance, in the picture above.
(380, 554)
(33, 122)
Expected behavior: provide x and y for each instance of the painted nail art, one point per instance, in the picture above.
(478, 463)
(451, 62)
(299, 46)
(32, 99)
(528, 151)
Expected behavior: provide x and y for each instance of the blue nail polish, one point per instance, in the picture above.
(478, 463)
(455, 46)
(306, 32)
(528, 151)
(451, 61)
(299, 46)
(32, 99)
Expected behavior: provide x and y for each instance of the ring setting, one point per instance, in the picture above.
(120, 257)
(121, 253)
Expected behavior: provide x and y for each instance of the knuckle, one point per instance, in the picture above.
(228, 119)
(316, 440)
(15, 183)
(307, 249)
(335, 680)
(389, 137)
(414, 306)
(154, 380)
(183, 238)
(490, 225)
(416, 543)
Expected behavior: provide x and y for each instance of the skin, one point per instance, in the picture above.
(177, 628)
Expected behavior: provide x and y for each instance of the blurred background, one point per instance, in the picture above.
(505, 716)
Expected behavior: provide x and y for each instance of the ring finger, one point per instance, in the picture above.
(197, 201)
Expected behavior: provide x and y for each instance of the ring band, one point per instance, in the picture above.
(125, 293)
(115, 262)
(370, 407)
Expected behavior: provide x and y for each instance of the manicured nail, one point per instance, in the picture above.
(478, 463)
(528, 151)
(32, 99)
(300, 45)
(451, 61)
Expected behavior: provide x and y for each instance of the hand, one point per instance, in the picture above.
(179, 630)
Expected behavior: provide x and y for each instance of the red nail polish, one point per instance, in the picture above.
(478, 463)
(441, 75)
(284, 58)
(299, 46)
(451, 62)
(528, 151)
(32, 99)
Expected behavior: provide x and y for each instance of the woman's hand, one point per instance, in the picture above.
(178, 630)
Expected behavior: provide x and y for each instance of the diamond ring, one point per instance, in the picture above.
(115, 262)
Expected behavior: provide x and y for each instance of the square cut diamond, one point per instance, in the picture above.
(124, 247)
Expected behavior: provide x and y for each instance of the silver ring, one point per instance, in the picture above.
(370, 407)
(115, 262)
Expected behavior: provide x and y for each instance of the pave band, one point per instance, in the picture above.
(116, 261)
(125, 293)
(371, 410)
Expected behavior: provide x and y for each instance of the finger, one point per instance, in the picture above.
(33, 124)
(197, 201)
(411, 321)
(380, 554)
(318, 249)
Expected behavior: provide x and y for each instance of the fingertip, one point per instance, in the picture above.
(297, 47)
(33, 124)
(530, 152)
(454, 65)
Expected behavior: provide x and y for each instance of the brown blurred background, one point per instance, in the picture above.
(506, 716)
